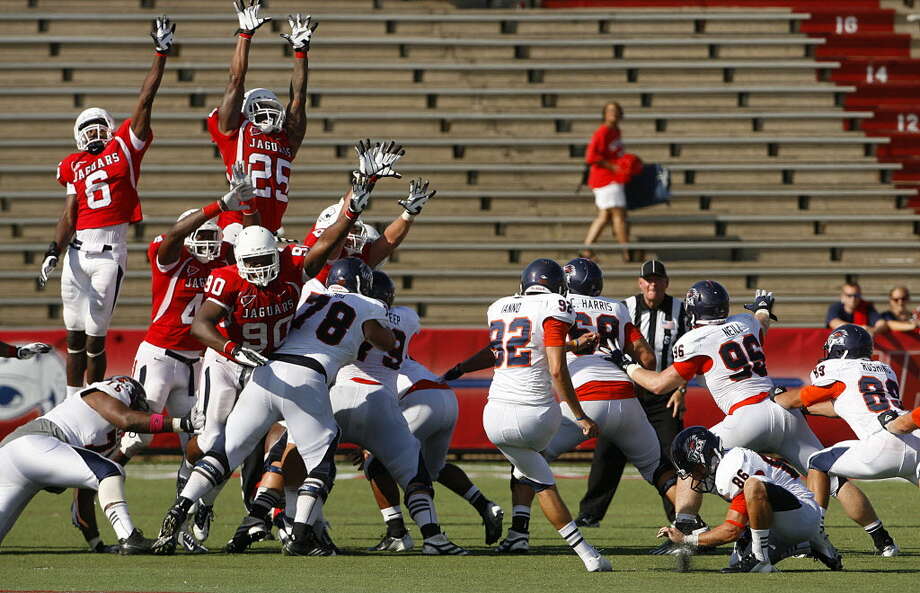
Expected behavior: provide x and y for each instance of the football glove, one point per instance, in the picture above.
(193, 422)
(361, 187)
(777, 389)
(418, 196)
(48, 264)
(887, 416)
(161, 31)
(248, 357)
(29, 350)
(240, 189)
(301, 31)
(377, 161)
(763, 300)
(248, 16)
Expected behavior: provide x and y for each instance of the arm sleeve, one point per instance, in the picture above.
(688, 369)
(63, 176)
(554, 332)
(812, 394)
(137, 146)
(739, 505)
(214, 128)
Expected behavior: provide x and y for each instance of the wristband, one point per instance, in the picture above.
(229, 347)
(212, 210)
(245, 34)
(161, 54)
(53, 250)
(407, 216)
(692, 540)
(300, 54)
(177, 425)
(157, 421)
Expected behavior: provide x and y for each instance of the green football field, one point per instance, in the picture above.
(44, 553)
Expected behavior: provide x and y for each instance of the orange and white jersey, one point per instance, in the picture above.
(861, 390)
(738, 464)
(730, 358)
(373, 365)
(520, 328)
(610, 319)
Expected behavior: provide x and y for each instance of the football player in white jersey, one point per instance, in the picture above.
(430, 409)
(865, 393)
(59, 450)
(765, 493)
(326, 334)
(527, 349)
(727, 352)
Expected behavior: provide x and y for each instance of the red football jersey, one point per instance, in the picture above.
(178, 291)
(269, 155)
(258, 317)
(106, 183)
(311, 239)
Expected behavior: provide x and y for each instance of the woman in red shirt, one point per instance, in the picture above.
(611, 167)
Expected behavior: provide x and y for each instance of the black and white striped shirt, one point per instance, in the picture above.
(661, 327)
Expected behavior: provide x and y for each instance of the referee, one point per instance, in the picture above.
(661, 320)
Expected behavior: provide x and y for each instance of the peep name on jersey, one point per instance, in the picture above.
(593, 304)
(269, 145)
(108, 159)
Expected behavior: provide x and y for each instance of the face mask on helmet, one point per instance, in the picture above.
(93, 135)
(257, 257)
(356, 239)
(204, 243)
(263, 109)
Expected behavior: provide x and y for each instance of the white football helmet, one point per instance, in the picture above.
(93, 129)
(358, 236)
(205, 241)
(257, 255)
(262, 108)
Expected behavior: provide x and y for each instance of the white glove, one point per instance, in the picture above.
(301, 31)
(48, 264)
(361, 187)
(418, 196)
(161, 30)
(249, 15)
(377, 161)
(240, 189)
(192, 423)
(29, 350)
(248, 357)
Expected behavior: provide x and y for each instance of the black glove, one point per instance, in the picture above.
(887, 416)
(762, 300)
(777, 389)
(453, 373)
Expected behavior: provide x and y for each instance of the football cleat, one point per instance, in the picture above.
(388, 543)
(750, 563)
(824, 551)
(439, 545)
(321, 530)
(191, 545)
(308, 546)
(492, 521)
(201, 524)
(251, 530)
(598, 563)
(515, 543)
(590, 521)
(135, 543)
(889, 550)
(165, 543)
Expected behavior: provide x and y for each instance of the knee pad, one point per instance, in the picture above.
(417, 488)
(274, 469)
(95, 354)
(314, 487)
(666, 485)
(76, 350)
(214, 466)
(537, 486)
(824, 460)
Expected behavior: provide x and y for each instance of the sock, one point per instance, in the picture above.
(197, 486)
(879, 534)
(520, 518)
(266, 499)
(290, 502)
(572, 536)
(475, 498)
(182, 475)
(209, 497)
(684, 518)
(421, 509)
(760, 544)
(393, 517)
(71, 390)
(112, 501)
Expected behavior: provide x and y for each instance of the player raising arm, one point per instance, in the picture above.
(255, 128)
(102, 200)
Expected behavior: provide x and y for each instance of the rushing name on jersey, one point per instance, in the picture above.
(258, 317)
(106, 183)
(861, 390)
(730, 358)
(269, 155)
(384, 367)
(177, 291)
(738, 464)
(516, 332)
(328, 327)
(592, 375)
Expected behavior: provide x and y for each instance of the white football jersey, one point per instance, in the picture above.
(411, 372)
(608, 318)
(82, 425)
(739, 464)
(328, 327)
(739, 365)
(383, 367)
(516, 337)
(871, 388)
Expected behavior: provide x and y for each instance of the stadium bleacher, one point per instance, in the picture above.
(775, 184)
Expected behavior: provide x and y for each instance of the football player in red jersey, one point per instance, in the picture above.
(255, 128)
(101, 181)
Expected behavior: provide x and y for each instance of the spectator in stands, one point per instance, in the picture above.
(610, 168)
(853, 309)
(899, 316)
